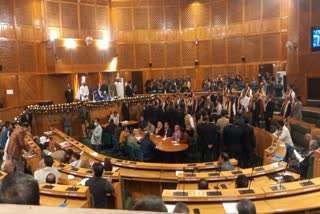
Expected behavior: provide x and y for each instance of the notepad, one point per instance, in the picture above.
(83, 181)
(230, 207)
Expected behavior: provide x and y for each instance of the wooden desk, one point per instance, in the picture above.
(59, 137)
(124, 123)
(230, 175)
(55, 201)
(263, 192)
(34, 159)
(277, 148)
(163, 144)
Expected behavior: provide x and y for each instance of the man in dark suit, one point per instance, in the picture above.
(68, 94)
(249, 144)
(257, 109)
(26, 117)
(167, 131)
(99, 187)
(268, 112)
(233, 140)
(129, 89)
(147, 146)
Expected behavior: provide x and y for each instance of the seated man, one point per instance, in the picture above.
(142, 123)
(51, 178)
(62, 156)
(203, 184)
(19, 188)
(242, 181)
(245, 206)
(150, 127)
(41, 174)
(306, 163)
(147, 146)
(224, 163)
(181, 208)
(150, 203)
(76, 162)
(131, 140)
(99, 187)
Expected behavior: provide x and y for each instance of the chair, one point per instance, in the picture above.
(138, 154)
(92, 204)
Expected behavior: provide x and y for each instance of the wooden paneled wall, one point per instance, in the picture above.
(302, 63)
(161, 32)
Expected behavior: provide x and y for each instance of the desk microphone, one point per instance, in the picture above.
(183, 184)
(217, 192)
(219, 175)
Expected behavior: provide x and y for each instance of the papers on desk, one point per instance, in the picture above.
(114, 169)
(65, 144)
(125, 121)
(230, 207)
(48, 133)
(175, 143)
(170, 207)
(138, 138)
(83, 181)
(179, 172)
(70, 177)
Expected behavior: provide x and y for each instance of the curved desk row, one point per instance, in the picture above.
(59, 137)
(263, 192)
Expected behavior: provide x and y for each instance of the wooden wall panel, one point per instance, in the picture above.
(102, 18)
(218, 51)
(23, 12)
(69, 15)
(6, 11)
(187, 20)
(142, 55)
(8, 59)
(27, 57)
(188, 53)
(157, 55)
(252, 48)
(252, 10)
(271, 9)
(140, 18)
(173, 55)
(172, 17)
(234, 11)
(87, 17)
(202, 15)
(271, 47)
(219, 12)
(315, 13)
(126, 56)
(156, 18)
(234, 49)
(124, 17)
(204, 52)
(52, 14)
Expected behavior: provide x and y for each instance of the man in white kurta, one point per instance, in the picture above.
(120, 88)
(84, 92)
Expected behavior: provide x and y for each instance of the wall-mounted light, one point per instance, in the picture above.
(54, 35)
(103, 44)
(196, 42)
(70, 43)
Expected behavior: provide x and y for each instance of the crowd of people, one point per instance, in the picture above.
(219, 122)
(167, 85)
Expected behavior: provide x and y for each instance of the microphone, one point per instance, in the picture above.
(183, 193)
(249, 190)
(307, 183)
(219, 175)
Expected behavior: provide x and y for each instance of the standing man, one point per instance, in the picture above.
(99, 187)
(83, 118)
(257, 109)
(84, 92)
(67, 122)
(297, 108)
(68, 94)
(268, 111)
(16, 145)
(129, 89)
(96, 135)
(26, 116)
(104, 88)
